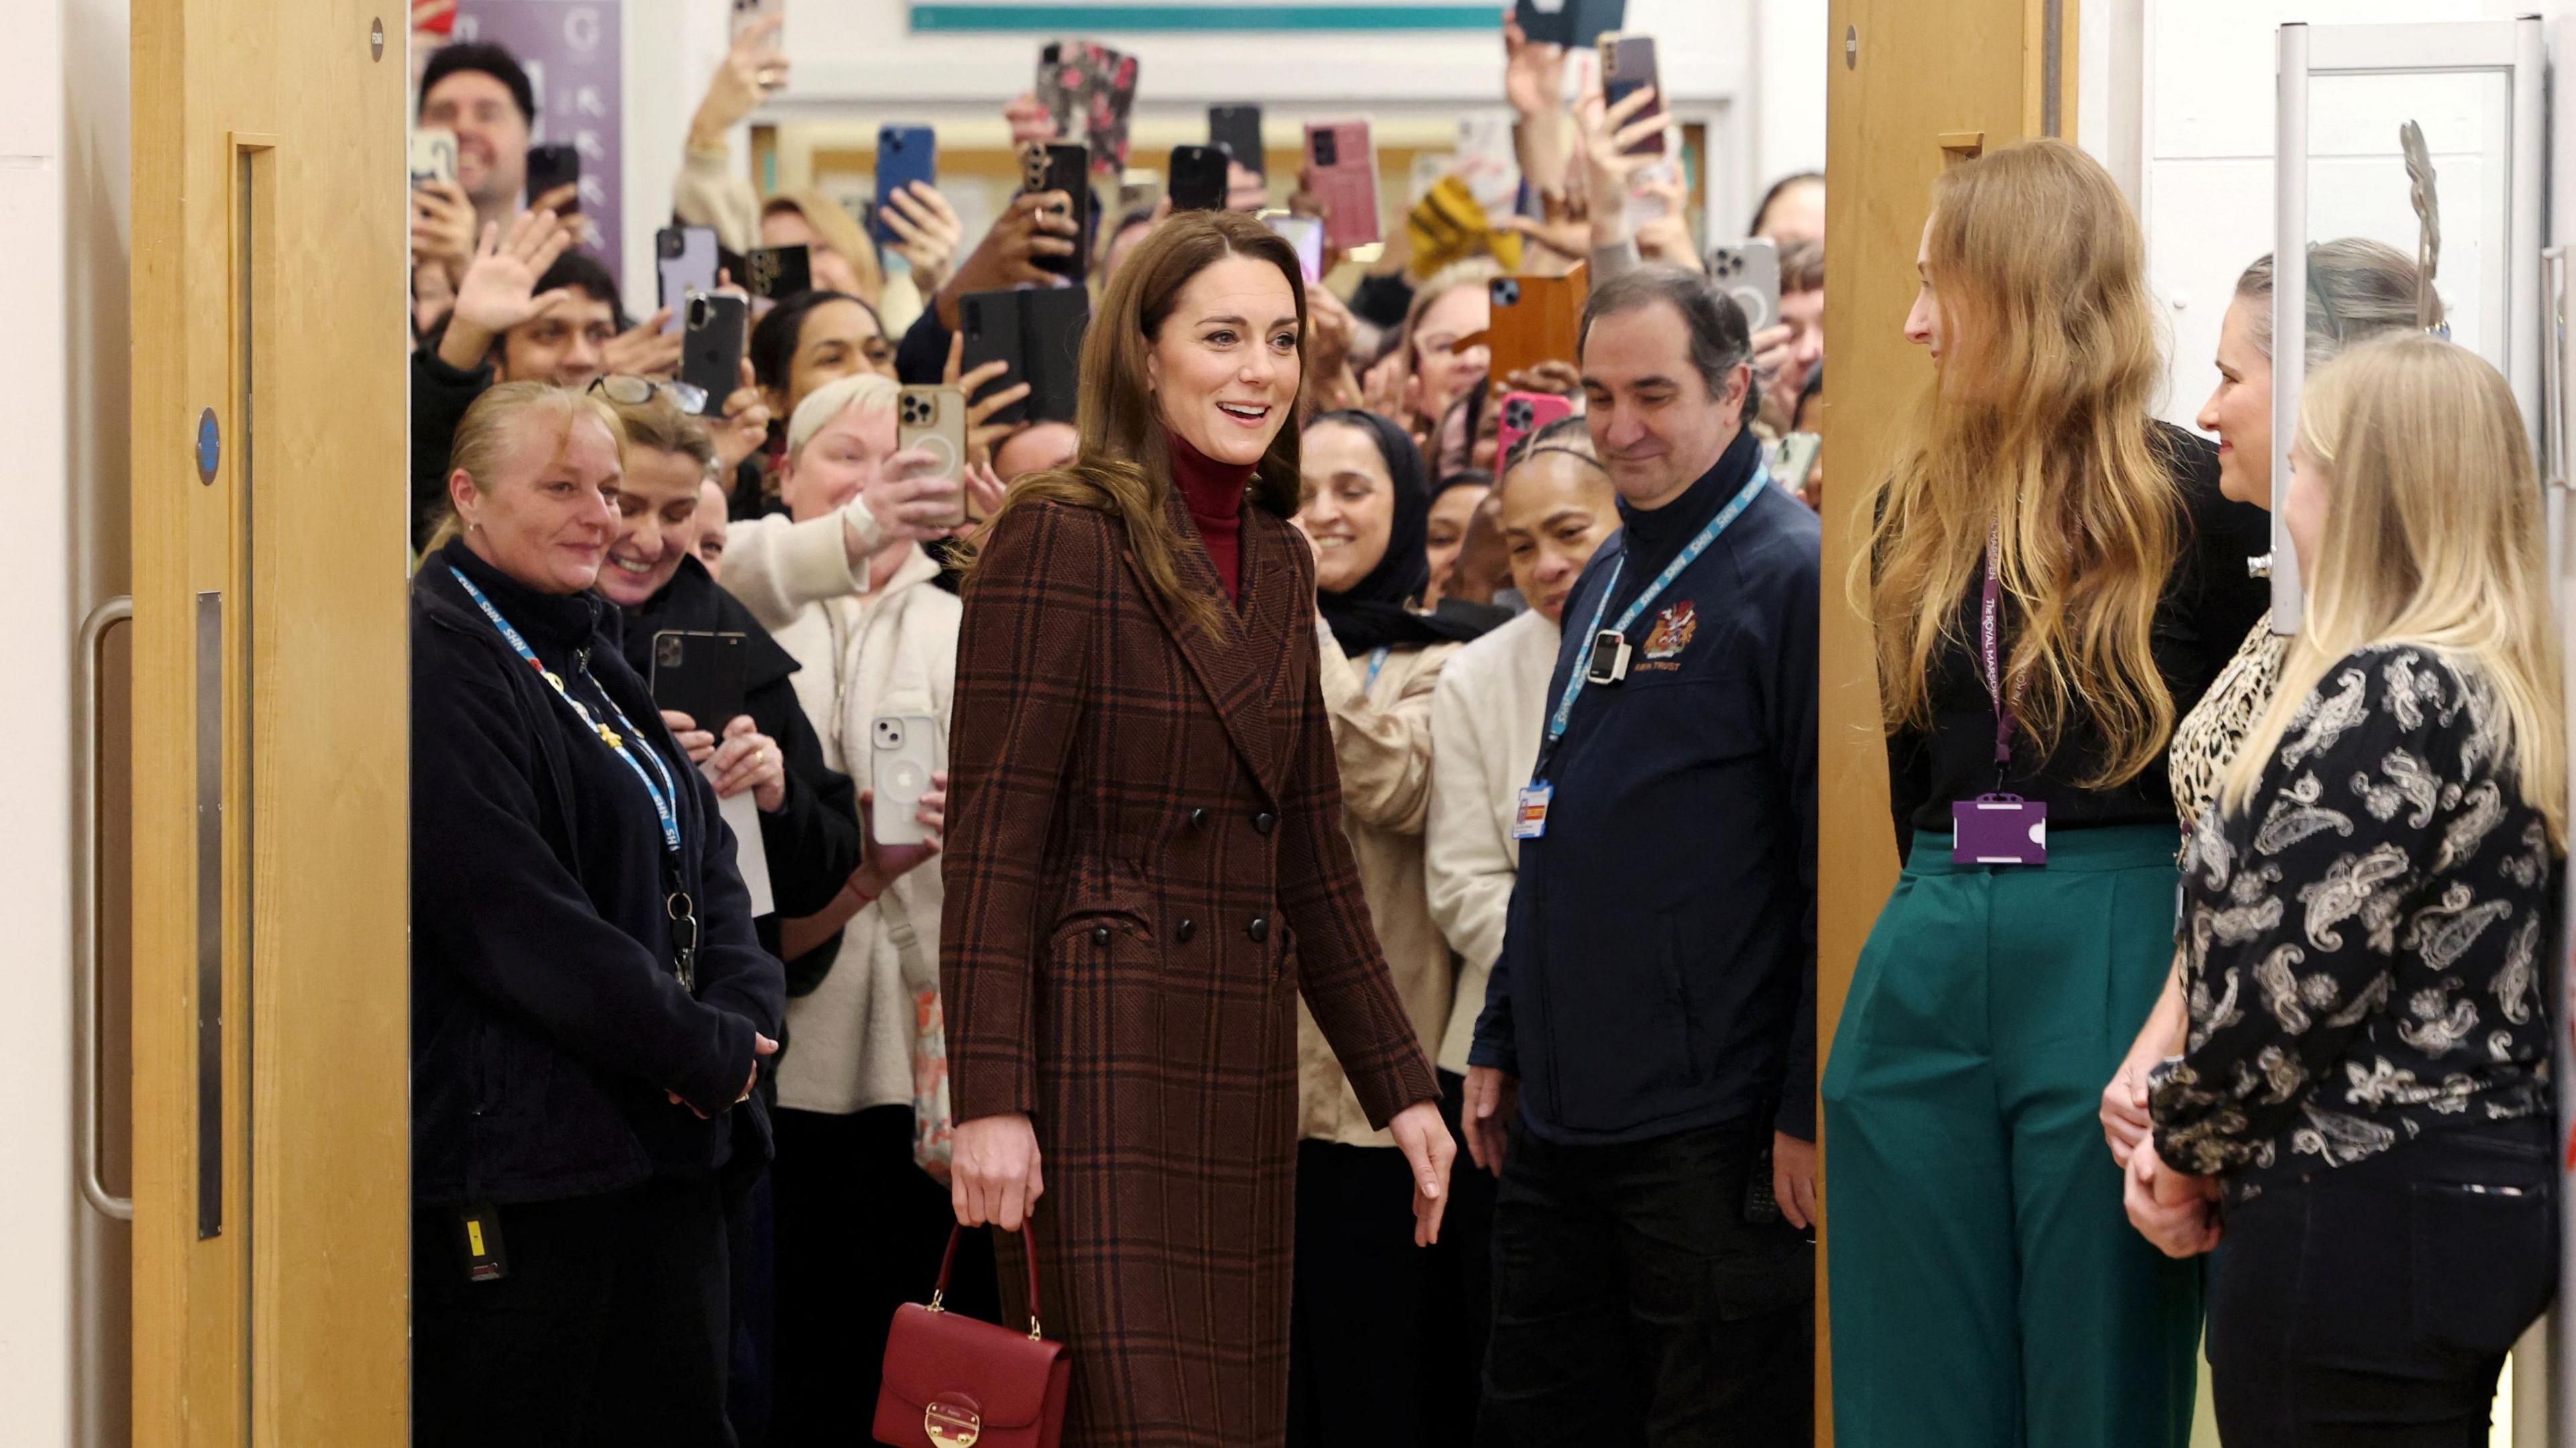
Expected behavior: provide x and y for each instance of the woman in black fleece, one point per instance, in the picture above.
(589, 1005)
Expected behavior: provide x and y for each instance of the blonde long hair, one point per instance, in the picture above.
(2434, 538)
(2038, 425)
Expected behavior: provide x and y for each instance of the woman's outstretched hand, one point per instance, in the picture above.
(993, 1174)
(1428, 1149)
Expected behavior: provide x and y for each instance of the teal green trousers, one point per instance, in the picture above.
(1987, 1289)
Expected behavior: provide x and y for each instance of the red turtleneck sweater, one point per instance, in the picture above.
(1214, 493)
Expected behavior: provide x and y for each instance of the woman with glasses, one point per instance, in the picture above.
(589, 1004)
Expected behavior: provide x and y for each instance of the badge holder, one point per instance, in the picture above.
(1999, 829)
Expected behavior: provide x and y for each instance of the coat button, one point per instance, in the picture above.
(1188, 929)
(1100, 935)
(1198, 819)
(1259, 929)
(1265, 822)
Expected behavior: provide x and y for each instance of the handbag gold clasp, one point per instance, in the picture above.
(951, 1425)
(1034, 1334)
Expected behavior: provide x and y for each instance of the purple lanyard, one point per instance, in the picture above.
(1989, 635)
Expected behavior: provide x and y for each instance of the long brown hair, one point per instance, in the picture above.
(1123, 466)
(2037, 425)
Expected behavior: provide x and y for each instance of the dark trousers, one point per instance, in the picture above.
(1387, 1339)
(2374, 1303)
(1633, 1305)
(860, 1229)
(609, 1329)
(752, 1262)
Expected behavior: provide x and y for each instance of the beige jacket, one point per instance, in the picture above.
(1382, 741)
(1486, 718)
(864, 654)
(709, 192)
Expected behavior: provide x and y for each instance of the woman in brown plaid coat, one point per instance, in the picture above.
(1146, 865)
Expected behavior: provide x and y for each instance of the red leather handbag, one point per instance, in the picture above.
(955, 1382)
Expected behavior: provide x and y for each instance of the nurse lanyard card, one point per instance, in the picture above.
(1605, 659)
(1997, 828)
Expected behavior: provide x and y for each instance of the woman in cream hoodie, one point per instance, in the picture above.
(843, 584)
(1370, 1356)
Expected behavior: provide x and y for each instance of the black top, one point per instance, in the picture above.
(439, 396)
(812, 842)
(1659, 970)
(548, 1021)
(2367, 946)
(2208, 604)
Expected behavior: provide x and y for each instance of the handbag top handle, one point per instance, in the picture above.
(1028, 1253)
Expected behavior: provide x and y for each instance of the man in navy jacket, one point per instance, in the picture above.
(1643, 1075)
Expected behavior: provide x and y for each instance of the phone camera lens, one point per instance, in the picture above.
(701, 312)
(1328, 152)
(1507, 292)
(1516, 416)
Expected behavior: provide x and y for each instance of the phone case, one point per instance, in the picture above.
(780, 271)
(1038, 331)
(1198, 178)
(904, 749)
(1749, 273)
(1523, 414)
(433, 156)
(1794, 461)
(1628, 63)
(1238, 130)
(684, 262)
(1569, 22)
(1307, 235)
(700, 675)
(905, 154)
(711, 349)
(553, 166)
(1089, 89)
(1059, 167)
(1535, 319)
(934, 418)
(1341, 172)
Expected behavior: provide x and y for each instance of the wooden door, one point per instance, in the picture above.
(1913, 88)
(270, 754)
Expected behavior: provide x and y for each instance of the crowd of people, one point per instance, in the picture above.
(1351, 914)
(2315, 1038)
(1225, 927)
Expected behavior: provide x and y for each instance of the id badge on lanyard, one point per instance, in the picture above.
(1997, 828)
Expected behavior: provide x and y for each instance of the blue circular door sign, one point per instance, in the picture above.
(210, 445)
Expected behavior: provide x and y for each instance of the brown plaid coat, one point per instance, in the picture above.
(1145, 868)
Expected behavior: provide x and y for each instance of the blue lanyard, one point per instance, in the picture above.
(1574, 686)
(666, 793)
(1377, 661)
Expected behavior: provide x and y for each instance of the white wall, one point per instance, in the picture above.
(36, 593)
(2199, 138)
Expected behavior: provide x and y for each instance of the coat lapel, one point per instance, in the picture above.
(1230, 665)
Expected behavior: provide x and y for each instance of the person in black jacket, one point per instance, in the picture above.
(809, 827)
(589, 1004)
(1643, 1075)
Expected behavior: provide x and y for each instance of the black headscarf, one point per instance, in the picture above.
(1373, 613)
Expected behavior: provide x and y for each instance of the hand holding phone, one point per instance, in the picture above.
(775, 272)
(902, 757)
(552, 169)
(1198, 178)
(905, 154)
(933, 420)
(1628, 66)
(711, 348)
(684, 262)
(1341, 174)
(433, 156)
(1058, 168)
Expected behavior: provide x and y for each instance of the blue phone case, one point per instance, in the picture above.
(905, 154)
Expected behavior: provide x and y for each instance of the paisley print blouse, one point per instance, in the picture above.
(2362, 946)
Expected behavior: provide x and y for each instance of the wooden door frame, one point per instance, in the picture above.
(1895, 119)
(267, 275)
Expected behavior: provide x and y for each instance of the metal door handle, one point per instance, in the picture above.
(85, 954)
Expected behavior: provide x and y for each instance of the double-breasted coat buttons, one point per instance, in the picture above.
(1259, 929)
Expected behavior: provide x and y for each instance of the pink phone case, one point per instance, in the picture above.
(1341, 169)
(1524, 413)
